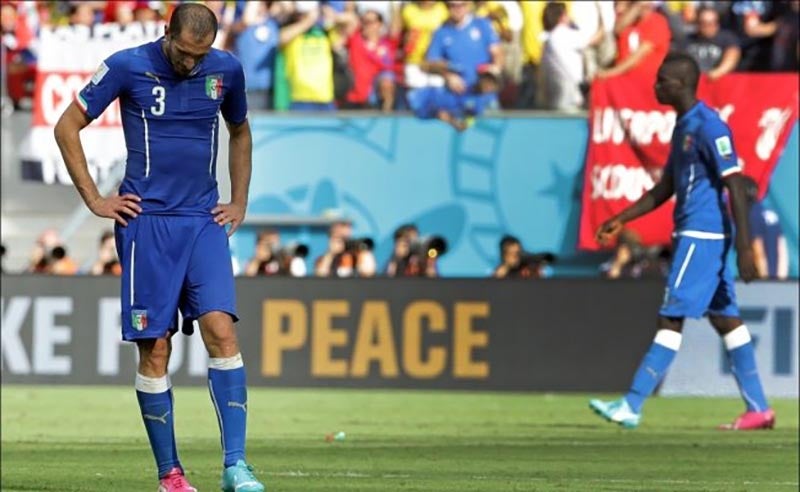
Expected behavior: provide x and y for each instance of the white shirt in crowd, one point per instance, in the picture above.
(562, 61)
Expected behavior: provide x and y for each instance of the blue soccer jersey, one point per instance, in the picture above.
(702, 154)
(464, 47)
(170, 123)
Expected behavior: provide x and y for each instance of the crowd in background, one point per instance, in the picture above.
(415, 255)
(448, 60)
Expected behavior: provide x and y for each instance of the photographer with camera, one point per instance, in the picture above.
(107, 262)
(515, 262)
(414, 256)
(270, 258)
(346, 257)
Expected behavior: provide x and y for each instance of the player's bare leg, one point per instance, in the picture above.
(627, 411)
(227, 386)
(154, 393)
(741, 354)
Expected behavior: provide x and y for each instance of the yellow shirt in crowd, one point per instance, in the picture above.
(309, 68)
(421, 23)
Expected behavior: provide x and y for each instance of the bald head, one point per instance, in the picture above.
(194, 18)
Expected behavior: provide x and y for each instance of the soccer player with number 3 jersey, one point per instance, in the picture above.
(170, 227)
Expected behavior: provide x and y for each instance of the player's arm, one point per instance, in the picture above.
(745, 259)
(716, 148)
(643, 51)
(651, 200)
(240, 151)
(104, 87)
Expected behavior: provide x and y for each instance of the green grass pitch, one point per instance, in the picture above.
(91, 439)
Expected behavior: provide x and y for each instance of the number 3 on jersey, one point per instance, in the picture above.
(160, 94)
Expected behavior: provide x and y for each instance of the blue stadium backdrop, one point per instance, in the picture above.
(511, 175)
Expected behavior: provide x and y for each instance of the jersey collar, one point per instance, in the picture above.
(691, 113)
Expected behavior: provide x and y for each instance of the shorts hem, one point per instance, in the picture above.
(200, 313)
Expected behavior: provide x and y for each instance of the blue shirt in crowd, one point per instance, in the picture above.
(465, 47)
(426, 102)
(256, 48)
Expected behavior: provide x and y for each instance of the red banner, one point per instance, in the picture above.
(630, 133)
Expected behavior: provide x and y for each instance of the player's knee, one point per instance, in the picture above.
(724, 324)
(154, 357)
(670, 323)
(219, 335)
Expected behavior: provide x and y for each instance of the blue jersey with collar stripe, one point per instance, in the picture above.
(701, 156)
(170, 123)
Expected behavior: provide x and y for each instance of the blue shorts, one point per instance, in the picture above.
(700, 281)
(172, 263)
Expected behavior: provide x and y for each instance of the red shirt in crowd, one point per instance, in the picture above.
(652, 27)
(367, 62)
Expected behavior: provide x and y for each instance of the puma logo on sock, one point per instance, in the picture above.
(162, 419)
(236, 404)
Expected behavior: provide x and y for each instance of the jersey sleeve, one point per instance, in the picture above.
(716, 147)
(234, 106)
(107, 84)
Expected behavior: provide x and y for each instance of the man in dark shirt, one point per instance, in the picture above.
(716, 50)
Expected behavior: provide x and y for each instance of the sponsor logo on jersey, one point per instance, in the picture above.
(139, 319)
(214, 86)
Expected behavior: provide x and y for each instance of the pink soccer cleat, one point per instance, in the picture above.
(174, 481)
(752, 421)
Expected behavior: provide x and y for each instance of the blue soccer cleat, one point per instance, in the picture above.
(616, 411)
(240, 478)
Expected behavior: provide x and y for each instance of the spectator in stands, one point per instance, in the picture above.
(532, 30)
(460, 46)
(265, 258)
(403, 237)
(716, 50)
(497, 15)
(148, 11)
(588, 17)
(420, 20)
(107, 262)
(81, 14)
(632, 260)
(120, 12)
(256, 44)
(61, 263)
(766, 235)
(563, 58)
(459, 110)
(414, 256)
(345, 257)
(643, 38)
(754, 22)
(515, 262)
(39, 261)
(371, 58)
(786, 45)
(307, 56)
(19, 63)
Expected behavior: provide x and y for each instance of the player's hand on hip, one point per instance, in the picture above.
(746, 262)
(229, 213)
(608, 231)
(117, 207)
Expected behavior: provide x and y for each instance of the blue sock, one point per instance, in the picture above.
(653, 367)
(155, 401)
(228, 388)
(743, 365)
